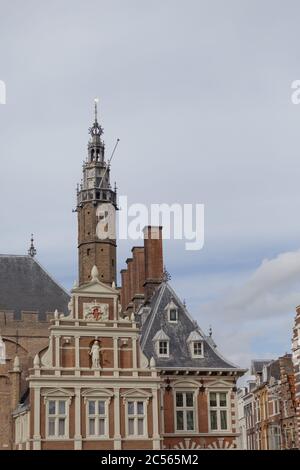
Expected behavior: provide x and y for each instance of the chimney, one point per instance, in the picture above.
(138, 276)
(153, 259)
(129, 306)
(124, 276)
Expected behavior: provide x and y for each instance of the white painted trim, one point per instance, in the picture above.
(106, 417)
(188, 389)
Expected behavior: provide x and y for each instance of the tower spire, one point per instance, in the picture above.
(96, 100)
(32, 250)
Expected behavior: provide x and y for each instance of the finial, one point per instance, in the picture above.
(184, 303)
(113, 285)
(96, 100)
(210, 331)
(56, 315)
(32, 250)
(16, 364)
(166, 275)
(36, 362)
(152, 363)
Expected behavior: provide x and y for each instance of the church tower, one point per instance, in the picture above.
(96, 207)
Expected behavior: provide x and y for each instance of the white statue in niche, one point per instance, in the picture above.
(95, 353)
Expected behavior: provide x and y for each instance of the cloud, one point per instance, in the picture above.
(252, 316)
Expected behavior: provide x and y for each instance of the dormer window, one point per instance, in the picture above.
(195, 343)
(172, 312)
(198, 348)
(163, 348)
(173, 315)
(161, 344)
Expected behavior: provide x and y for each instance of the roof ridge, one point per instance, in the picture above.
(50, 276)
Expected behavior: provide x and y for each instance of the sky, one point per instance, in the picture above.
(199, 93)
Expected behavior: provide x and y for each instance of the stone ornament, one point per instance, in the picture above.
(95, 353)
(96, 312)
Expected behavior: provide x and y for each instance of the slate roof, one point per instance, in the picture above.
(273, 370)
(179, 353)
(257, 365)
(26, 286)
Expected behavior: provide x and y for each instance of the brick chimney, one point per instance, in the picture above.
(129, 306)
(153, 259)
(138, 276)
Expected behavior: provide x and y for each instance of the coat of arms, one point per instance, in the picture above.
(96, 312)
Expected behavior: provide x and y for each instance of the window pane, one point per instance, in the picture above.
(190, 420)
(91, 407)
(140, 408)
(61, 426)
(198, 349)
(101, 427)
(179, 420)
(179, 399)
(189, 399)
(51, 407)
(140, 426)
(173, 314)
(213, 399)
(51, 427)
(131, 426)
(62, 407)
(223, 419)
(213, 420)
(101, 408)
(130, 407)
(92, 427)
(163, 347)
(223, 399)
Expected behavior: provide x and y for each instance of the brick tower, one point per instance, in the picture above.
(96, 206)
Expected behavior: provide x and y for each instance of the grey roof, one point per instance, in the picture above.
(26, 286)
(273, 370)
(179, 354)
(257, 365)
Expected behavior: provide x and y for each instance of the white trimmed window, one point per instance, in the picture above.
(2, 352)
(173, 315)
(185, 411)
(219, 411)
(163, 348)
(136, 418)
(197, 348)
(172, 312)
(97, 418)
(161, 344)
(57, 418)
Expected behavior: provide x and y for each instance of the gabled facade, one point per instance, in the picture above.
(128, 367)
(269, 406)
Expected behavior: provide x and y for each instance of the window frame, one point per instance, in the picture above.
(97, 417)
(185, 408)
(135, 416)
(193, 343)
(218, 408)
(159, 354)
(57, 416)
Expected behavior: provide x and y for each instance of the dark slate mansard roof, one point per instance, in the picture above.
(178, 333)
(26, 286)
